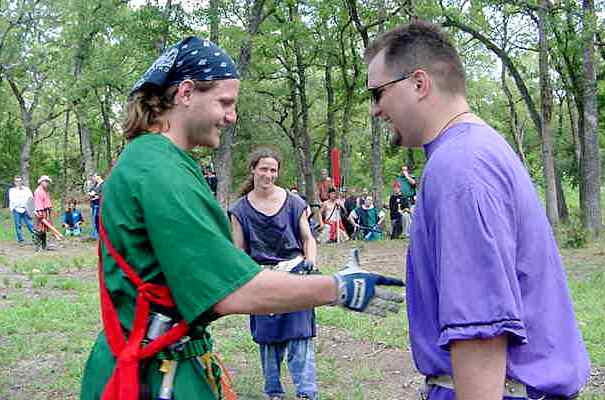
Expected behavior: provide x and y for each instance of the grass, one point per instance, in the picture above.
(51, 318)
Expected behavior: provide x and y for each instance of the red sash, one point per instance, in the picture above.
(124, 382)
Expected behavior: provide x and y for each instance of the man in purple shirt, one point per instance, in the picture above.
(488, 305)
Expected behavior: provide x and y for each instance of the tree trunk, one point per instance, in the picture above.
(85, 142)
(105, 107)
(65, 159)
(377, 133)
(162, 42)
(548, 151)
(561, 202)
(575, 131)
(591, 161)
(514, 125)
(223, 158)
(301, 85)
(377, 175)
(30, 132)
(26, 151)
(330, 117)
(213, 16)
(84, 131)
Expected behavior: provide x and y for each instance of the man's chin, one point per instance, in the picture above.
(396, 138)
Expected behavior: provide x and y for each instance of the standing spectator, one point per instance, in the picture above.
(407, 183)
(324, 185)
(95, 195)
(399, 209)
(332, 212)
(351, 201)
(20, 199)
(367, 220)
(89, 184)
(364, 194)
(211, 179)
(270, 224)
(43, 207)
(490, 314)
(72, 219)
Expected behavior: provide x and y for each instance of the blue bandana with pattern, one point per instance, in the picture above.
(192, 58)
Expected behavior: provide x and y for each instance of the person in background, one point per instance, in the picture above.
(211, 179)
(324, 185)
(367, 220)
(95, 195)
(399, 209)
(20, 199)
(72, 219)
(332, 212)
(271, 225)
(43, 207)
(407, 184)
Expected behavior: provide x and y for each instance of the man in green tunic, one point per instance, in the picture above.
(160, 215)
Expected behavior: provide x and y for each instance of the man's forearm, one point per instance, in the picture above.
(278, 292)
(479, 368)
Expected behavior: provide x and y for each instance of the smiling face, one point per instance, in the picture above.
(265, 173)
(207, 112)
(399, 102)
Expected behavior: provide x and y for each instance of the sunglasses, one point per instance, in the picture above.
(376, 92)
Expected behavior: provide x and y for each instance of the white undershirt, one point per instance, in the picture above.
(18, 199)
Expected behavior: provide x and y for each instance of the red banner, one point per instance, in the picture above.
(335, 158)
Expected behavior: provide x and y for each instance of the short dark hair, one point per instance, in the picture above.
(421, 45)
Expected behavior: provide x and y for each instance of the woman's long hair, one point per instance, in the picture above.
(146, 107)
(253, 159)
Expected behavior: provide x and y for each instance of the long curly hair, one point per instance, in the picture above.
(253, 159)
(146, 107)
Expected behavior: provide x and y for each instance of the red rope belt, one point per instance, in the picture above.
(124, 382)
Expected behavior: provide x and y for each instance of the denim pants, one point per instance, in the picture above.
(301, 364)
(19, 219)
(95, 221)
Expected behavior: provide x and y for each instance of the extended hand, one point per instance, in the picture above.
(304, 267)
(357, 289)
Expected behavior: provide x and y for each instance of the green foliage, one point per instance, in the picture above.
(572, 235)
(589, 305)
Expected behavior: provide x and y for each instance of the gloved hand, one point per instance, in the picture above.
(357, 289)
(305, 267)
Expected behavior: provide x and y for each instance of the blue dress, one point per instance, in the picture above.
(269, 240)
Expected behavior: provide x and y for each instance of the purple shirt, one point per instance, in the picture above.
(483, 262)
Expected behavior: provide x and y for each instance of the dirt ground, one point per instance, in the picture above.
(398, 378)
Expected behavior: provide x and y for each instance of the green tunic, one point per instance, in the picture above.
(160, 214)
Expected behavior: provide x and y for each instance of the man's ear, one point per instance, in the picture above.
(184, 92)
(423, 83)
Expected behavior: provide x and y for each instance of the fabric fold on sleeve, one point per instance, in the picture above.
(515, 330)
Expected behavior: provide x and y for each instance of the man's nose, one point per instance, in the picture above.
(231, 117)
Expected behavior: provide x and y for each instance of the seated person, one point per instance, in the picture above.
(72, 219)
(367, 220)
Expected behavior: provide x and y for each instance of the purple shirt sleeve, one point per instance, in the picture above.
(479, 294)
